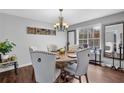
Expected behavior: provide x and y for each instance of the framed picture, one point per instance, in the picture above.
(40, 31)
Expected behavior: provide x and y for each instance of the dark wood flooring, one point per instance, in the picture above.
(96, 74)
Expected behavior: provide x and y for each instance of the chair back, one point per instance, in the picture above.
(82, 61)
(32, 48)
(44, 66)
(52, 48)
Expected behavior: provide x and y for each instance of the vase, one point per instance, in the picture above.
(5, 57)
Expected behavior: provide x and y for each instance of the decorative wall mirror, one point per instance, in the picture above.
(114, 38)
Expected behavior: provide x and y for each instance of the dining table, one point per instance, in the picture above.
(62, 60)
(65, 57)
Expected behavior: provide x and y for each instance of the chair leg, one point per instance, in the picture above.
(86, 78)
(58, 79)
(80, 79)
(33, 76)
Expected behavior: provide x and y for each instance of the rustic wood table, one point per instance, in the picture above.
(63, 60)
(66, 57)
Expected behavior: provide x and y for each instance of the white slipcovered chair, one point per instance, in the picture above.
(44, 65)
(52, 48)
(80, 68)
(32, 48)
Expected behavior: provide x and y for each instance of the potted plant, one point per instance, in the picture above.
(6, 47)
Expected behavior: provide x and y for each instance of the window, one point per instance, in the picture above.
(90, 36)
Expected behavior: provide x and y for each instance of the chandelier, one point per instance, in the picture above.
(61, 26)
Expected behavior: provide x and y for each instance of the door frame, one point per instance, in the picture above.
(75, 37)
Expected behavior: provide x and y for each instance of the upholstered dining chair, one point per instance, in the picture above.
(80, 68)
(52, 48)
(44, 64)
(32, 48)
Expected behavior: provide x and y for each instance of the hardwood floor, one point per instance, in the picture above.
(96, 74)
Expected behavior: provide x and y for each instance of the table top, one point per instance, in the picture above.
(67, 57)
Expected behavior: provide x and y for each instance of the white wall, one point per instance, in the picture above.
(14, 29)
(1, 28)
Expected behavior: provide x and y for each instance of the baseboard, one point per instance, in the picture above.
(24, 65)
(109, 66)
(11, 67)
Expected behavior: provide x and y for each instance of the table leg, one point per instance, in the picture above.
(95, 58)
(100, 58)
(15, 67)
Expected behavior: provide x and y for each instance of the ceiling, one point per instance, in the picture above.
(71, 16)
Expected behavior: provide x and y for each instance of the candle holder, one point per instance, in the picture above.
(120, 48)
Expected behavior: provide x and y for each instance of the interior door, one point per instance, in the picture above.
(71, 38)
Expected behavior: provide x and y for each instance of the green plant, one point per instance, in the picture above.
(6, 47)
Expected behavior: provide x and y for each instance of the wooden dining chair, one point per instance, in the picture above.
(44, 63)
(81, 67)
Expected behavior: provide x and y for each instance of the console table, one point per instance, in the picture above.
(10, 63)
(96, 53)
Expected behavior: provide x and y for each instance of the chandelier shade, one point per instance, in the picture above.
(61, 25)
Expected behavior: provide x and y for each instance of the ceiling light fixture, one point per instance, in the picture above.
(61, 26)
